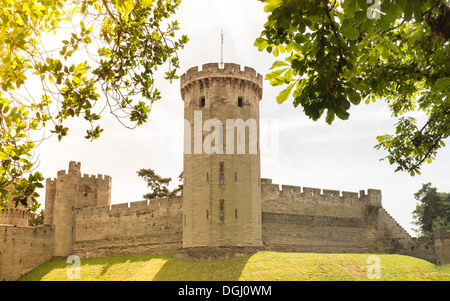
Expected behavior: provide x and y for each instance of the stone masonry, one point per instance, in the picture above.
(226, 209)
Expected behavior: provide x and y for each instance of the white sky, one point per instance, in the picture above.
(311, 154)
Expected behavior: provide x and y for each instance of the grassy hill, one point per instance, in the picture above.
(263, 266)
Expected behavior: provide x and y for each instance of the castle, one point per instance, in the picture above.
(226, 208)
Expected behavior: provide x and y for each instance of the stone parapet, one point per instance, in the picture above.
(203, 78)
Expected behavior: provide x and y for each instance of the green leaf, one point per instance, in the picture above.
(348, 30)
(354, 98)
(351, 34)
(373, 58)
(293, 46)
(3, 156)
(277, 81)
(261, 44)
(288, 76)
(275, 74)
(407, 13)
(285, 94)
(442, 84)
(330, 116)
(276, 51)
(350, 8)
(277, 64)
(418, 12)
(147, 2)
(360, 17)
(271, 5)
(392, 47)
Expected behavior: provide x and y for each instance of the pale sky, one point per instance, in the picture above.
(311, 154)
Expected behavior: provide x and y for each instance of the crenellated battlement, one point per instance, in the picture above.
(272, 191)
(21, 213)
(211, 74)
(50, 183)
(96, 178)
(74, 167)
(17, 216)
(156, 204)
(213, 70)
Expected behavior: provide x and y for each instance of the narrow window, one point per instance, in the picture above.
(207, 214)
(240, 102)
(207, 177)
(185, 219)
(202, 102)
(222, 177)
(222, 217)
(235, 176)
(235, 213)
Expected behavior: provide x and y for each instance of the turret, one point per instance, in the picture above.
(66, 193)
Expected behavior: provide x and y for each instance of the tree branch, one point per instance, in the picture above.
(325, 3)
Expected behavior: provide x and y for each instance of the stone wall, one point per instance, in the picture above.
(23, 248)
(442, 245)
(294, 219)
(15, 216)
(304, 219)
(129, 229)
(312, 220)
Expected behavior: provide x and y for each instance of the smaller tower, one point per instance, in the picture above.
(68, 192)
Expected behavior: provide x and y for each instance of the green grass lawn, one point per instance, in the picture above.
(263, 266)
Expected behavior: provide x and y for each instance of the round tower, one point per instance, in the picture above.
(222, 189)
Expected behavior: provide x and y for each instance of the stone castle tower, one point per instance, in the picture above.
(226, 209)
(64, 195)
(222, 185)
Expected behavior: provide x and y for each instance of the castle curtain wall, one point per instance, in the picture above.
(442, 245)
(129, 229)
(296, 219)
(23, 248)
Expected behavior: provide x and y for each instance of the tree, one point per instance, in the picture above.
(339, 53)
(37, 219)
(432, 211)
(113, 46)
(159, 185)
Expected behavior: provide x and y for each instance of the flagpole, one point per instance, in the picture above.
(221, 49)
